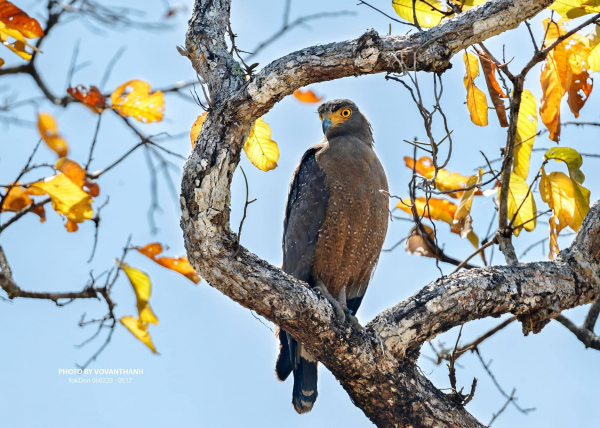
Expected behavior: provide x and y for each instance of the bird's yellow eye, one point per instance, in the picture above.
(346, 112)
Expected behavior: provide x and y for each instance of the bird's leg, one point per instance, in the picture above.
(353, 320)
(339, 310)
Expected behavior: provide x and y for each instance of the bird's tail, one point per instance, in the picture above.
(283, 367)
(304, 393)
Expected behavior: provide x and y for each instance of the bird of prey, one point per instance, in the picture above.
(335, 224)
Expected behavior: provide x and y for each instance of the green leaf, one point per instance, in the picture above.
(571, 157)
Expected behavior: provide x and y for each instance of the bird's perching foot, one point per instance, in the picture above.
(354, 321)
(338, 309)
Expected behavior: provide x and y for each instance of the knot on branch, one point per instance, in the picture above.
(583, 260)
(536, 321)
(366, 52)
(587, 241)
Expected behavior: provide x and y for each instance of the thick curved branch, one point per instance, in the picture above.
(369, 54)
(535, 292)
(377, 369)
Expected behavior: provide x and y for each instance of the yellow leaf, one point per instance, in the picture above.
(1, 62)
(49, 133)
(476, 100)
(581, 195)
(594, 45)
(18, 45)
(426, 15)
(196, 127)
(142, 287)
(260, 149)
(77, 175)
(558, 191)
(67, 198)
(133, 99)
(520, 204)
(177, 264)
(571, 9)
(139, 330)
(462, 218)
(526, 130)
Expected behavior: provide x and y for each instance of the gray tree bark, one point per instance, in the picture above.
(377, 369)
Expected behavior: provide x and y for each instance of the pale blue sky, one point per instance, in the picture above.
(215, 367)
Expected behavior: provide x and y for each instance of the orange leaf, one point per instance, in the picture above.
(445, 180)
(134, 99)
(16, 199)
(435, 209)
(553, 92)
(181, 265)
(91, 98)
(151, 250)
(556, 78)
(49, 133)
(77, 175)
(581, 82)
(496, 93)
(71, 226)
(178, 264)
(15, 19)
(197, 127)
(307, 96)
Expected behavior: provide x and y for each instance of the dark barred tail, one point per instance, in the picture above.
(283, 367)
(304, 394)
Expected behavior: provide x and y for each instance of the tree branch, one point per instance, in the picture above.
(378, 368)
(429, 50)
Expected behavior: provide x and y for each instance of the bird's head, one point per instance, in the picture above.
(342, 117)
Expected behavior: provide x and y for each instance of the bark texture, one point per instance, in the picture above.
(377, 369)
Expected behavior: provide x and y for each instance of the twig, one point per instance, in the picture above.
(24, 211)
(489, 372)
(244, 216)
(89, 161)
(588, 338)
(480, 249)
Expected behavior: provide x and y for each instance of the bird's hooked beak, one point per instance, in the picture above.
(326, 124)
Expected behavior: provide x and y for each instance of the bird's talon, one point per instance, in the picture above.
(354, 322)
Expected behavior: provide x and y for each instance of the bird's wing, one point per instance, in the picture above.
(304, 216)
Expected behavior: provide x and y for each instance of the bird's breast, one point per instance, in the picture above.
(356, 218)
